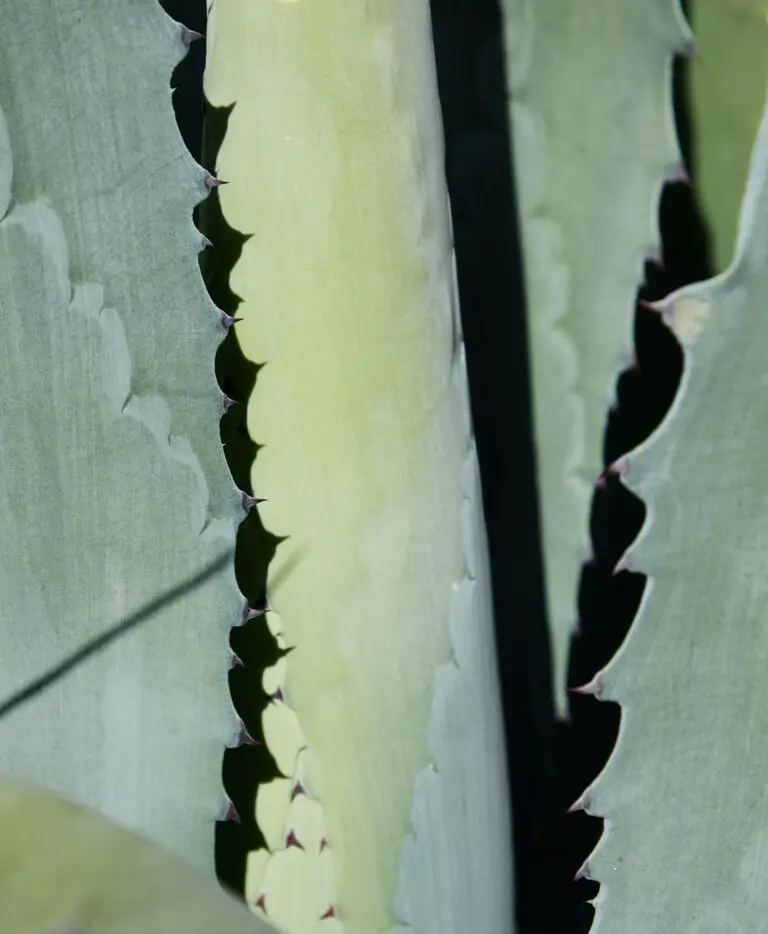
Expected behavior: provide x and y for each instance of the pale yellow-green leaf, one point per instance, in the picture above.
(727, 90)
(333, 155)
(66, 870)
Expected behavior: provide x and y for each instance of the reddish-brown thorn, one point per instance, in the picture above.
(330, 912)
(298, 789)
(580, 804)
(582, 872)
(620, 467)
(227, 320)
(212, 182)
(261, 902)
(593, 687)
(232, 814)
(250, 612)
(278, 695)
(190, 35)
(292, 840)
(250, 501)
(245, 738)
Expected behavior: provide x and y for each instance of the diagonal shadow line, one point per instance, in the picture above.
(44, 681)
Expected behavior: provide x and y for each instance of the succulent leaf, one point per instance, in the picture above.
(333, 155)
(594, 142)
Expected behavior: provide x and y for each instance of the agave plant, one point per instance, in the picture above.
(376, 697)
(683, 794)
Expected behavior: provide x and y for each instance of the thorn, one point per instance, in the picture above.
(250, 612)
(236, 661)
(261, 902)
(583, 872)
(229, 402)
(292, 840)
(205, 241)
(330, 912)
(298, 789)
(620, 467)
(232, 814)
(658, 307)
(250, 501)
(688, 49)
(623, 564)
(580, 804)
(277, 696)
(227, 320)
(593, 687)
(188, 36)
(576, 629)
(680, 175)
(323, 843)
(245, 738)
(587, 555)
(212, 182)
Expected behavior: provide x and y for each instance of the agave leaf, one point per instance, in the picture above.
(113, 483)
(594, 141)
(728, 80)
(66, 870)
(390, 715)
(684, 793)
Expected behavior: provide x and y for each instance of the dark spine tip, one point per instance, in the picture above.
(227, 320)
(189, 36)
(232, 814)
(580, 804)
(292, 840)
(250, 501)
(212, 182)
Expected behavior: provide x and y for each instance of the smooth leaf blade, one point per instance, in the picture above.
(333, 156)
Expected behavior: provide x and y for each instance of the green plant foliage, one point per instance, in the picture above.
(388, 717)
(594, 141)
(113, 483)
(727, 81)
(684, 793)
(66, 870)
